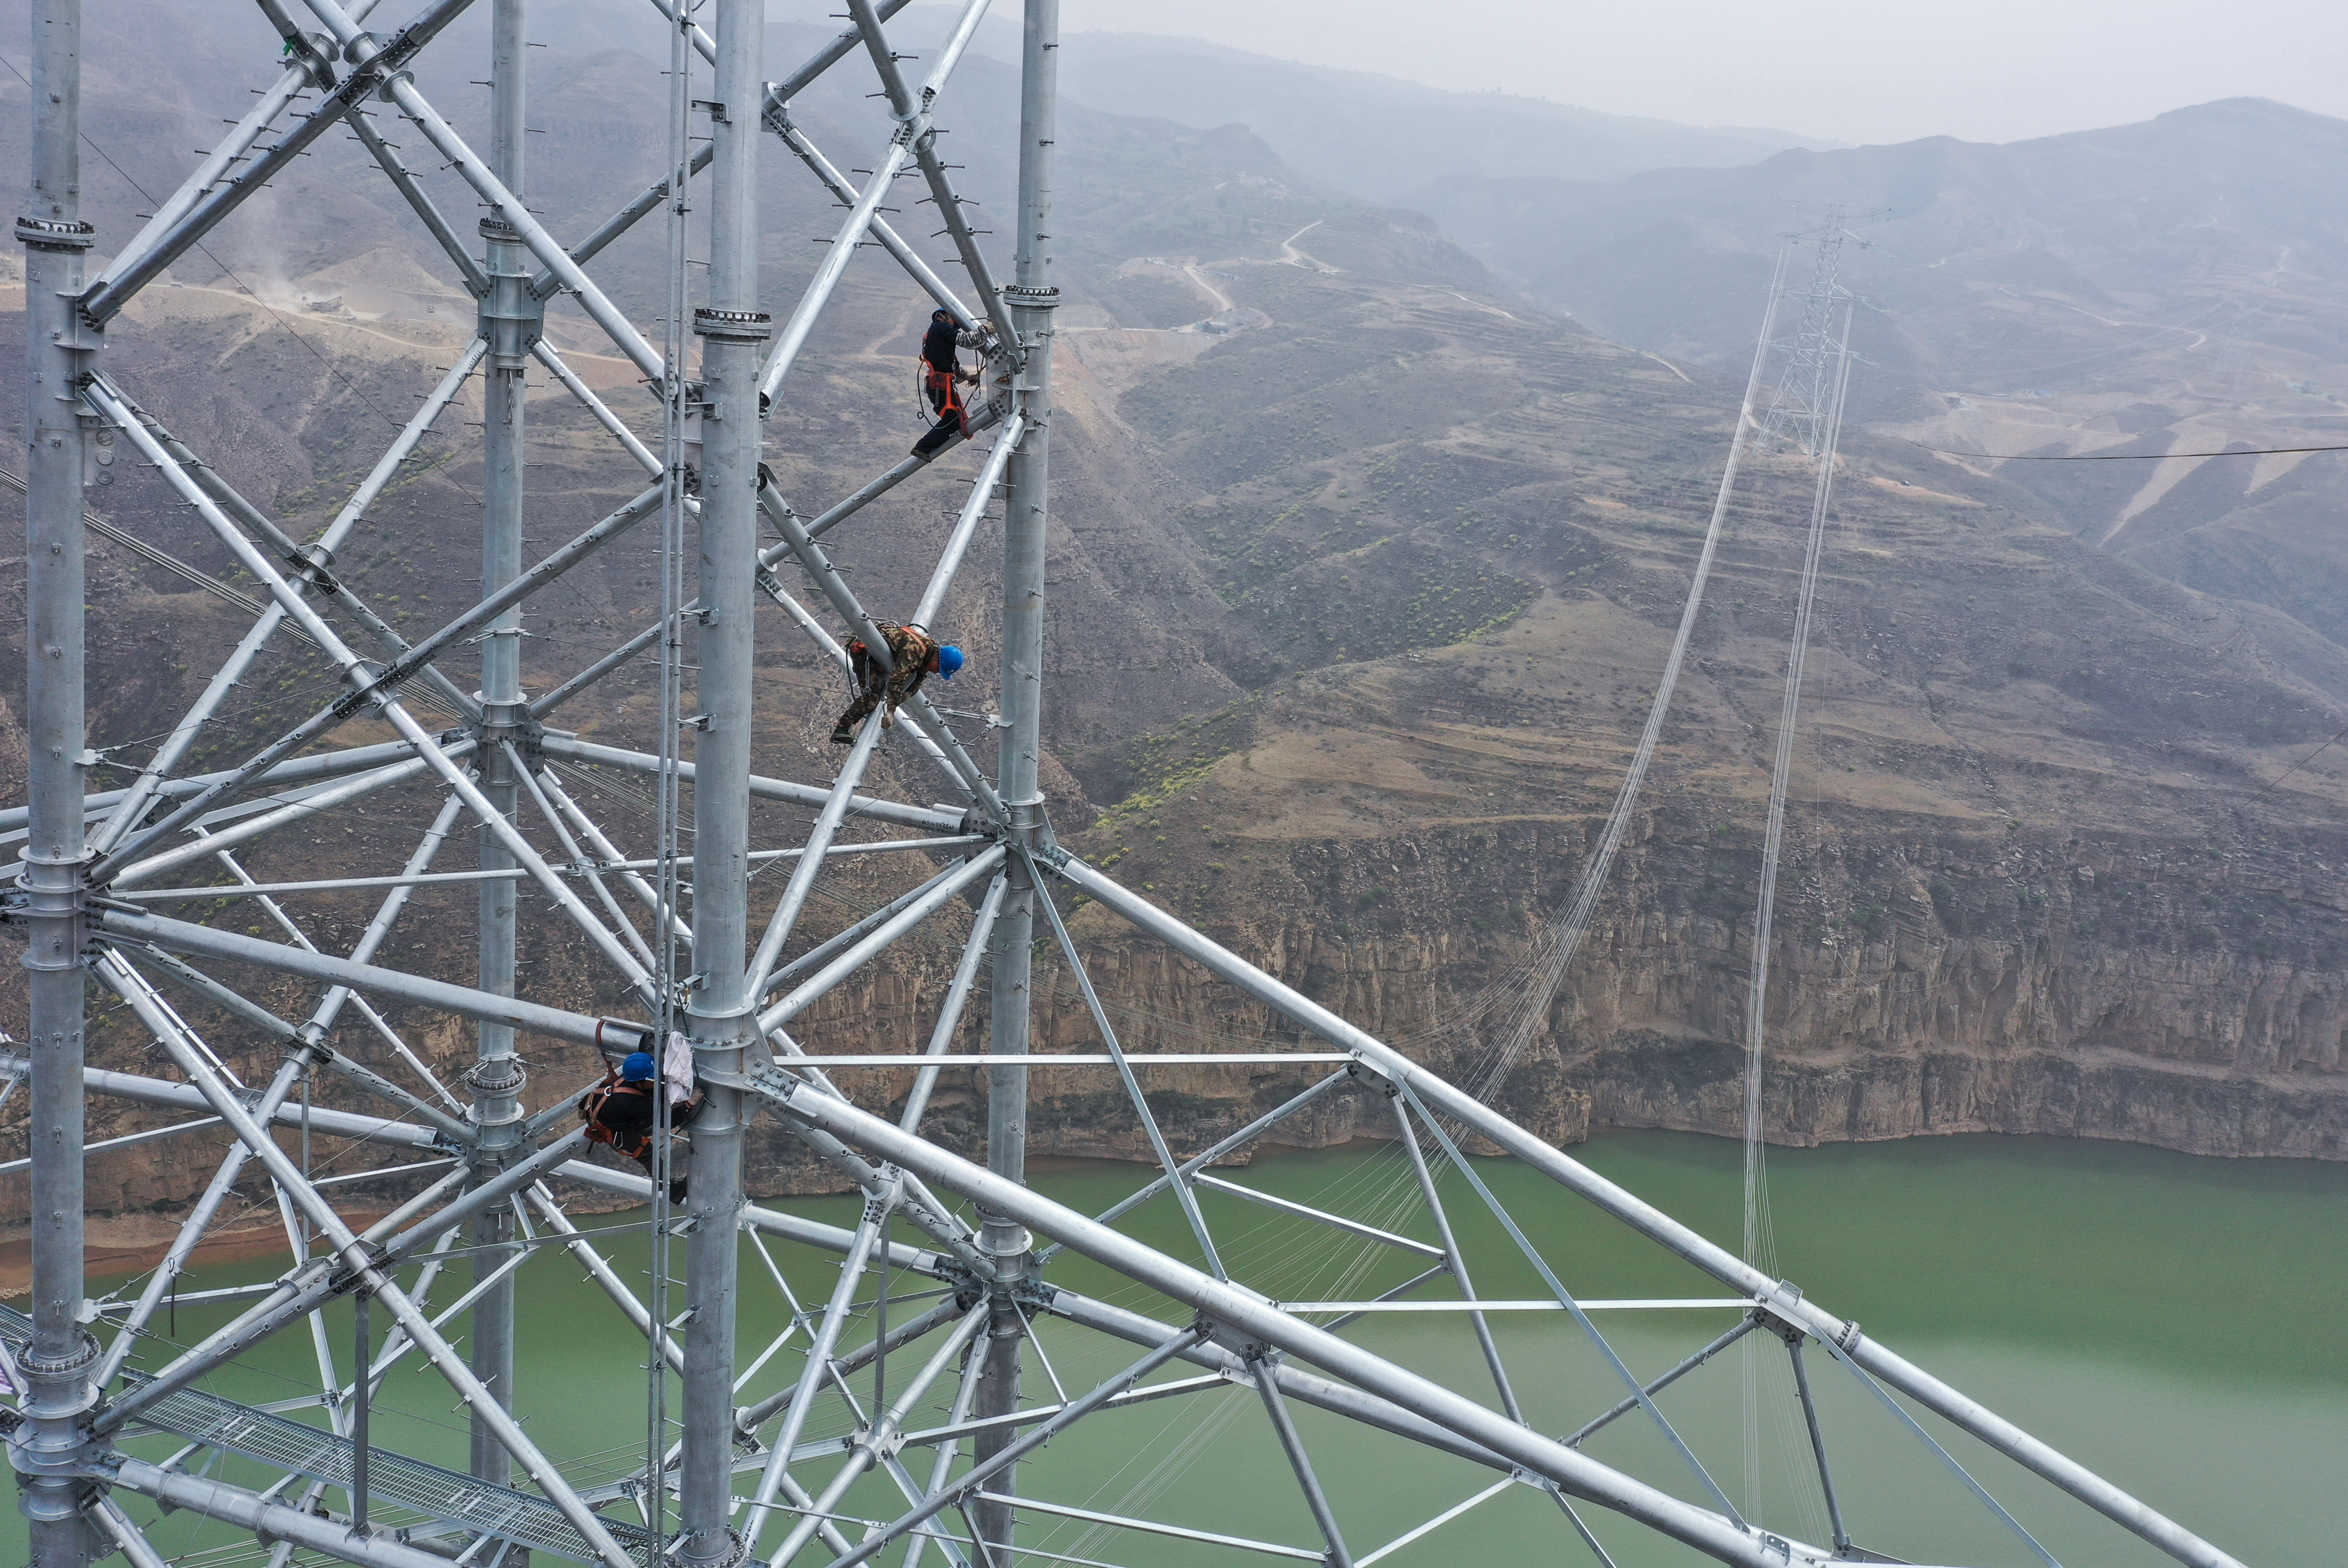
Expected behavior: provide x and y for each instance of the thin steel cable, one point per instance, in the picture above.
(2118, 456)
(1759, 1248)
(170, 563)
(1556, 950)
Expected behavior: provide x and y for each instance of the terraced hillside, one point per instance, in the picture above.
(2049, 869)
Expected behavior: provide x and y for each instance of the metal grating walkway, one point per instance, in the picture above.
(451, 1496)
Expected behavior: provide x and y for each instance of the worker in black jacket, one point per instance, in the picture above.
(621, 1111)
(943, 379)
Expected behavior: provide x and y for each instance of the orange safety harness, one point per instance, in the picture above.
(592, 1110)
(944, 389)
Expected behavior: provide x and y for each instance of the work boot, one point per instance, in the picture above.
(888, 720)
(935, 441)
(676, 1192)
(841, 736)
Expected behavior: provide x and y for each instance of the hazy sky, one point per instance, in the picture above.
(1856, 71)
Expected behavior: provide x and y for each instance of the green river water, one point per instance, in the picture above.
(2173, 1322)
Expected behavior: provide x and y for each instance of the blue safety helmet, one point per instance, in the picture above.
(637, 1069)
(949, 660)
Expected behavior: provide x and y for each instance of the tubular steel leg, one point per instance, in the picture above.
(733, 330)
(499, 1076)
(1006, 1107)
(941, 1464)
(1031, 298)
(1818, 1445)
(362, 1402)
(1451, 1253)
(59, 351)
(1315, 1499)
(818, 1356)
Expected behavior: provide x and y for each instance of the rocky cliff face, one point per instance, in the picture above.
(1992, 984)
(2038, 934)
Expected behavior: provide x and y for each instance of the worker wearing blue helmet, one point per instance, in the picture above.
(621, 1111)
(913, 657)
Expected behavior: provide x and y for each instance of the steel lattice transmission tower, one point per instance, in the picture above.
(1801, 403)
(110, 1421)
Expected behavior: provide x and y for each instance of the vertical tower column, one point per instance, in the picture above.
(59, 349)
(1030, 299)
(732, 332)
(509, 320)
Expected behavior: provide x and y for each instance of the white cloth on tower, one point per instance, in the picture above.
(676, 1069)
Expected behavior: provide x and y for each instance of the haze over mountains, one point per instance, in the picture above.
(1381, 139)
(1365, 559)
(2173, 286)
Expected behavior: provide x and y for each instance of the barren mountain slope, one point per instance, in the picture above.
(2169, 287)
(2036, 880)
(1362, 569)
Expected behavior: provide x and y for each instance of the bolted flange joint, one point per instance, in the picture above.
(1006, 1241)
(497, 1082)
(500, 723)
(732, 326)
(50, 234)
(499, 1075)
(1031, 830)
(52, 901)
(50, 1438)
(1031, 316)
(59, 1372)
(735, 1550)
(512, 318)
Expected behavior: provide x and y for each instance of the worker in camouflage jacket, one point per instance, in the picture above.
(913, 657)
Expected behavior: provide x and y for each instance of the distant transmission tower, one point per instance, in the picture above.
(1801, 404)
